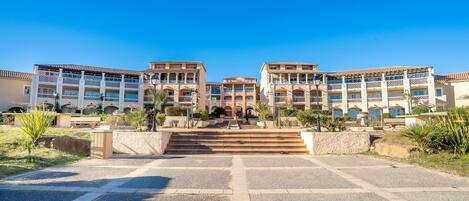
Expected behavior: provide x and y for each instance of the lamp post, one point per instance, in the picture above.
(318, 121)
(153, 82)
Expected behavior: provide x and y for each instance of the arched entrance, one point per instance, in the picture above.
(353, 112)
(68, 108)
(110, 109)
(16, 110)
(90, 109)
(228, 111)
(396, 111)
(239, 111)
(375, 113)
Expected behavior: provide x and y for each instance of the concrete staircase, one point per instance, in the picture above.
(236, 142)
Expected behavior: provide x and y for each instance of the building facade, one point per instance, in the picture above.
(393, 90)
(376, 91)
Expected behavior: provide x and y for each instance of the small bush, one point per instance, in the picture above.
(201, 114)
(137, 118)
(306, 118)
(218, 111)
(160, 118)
(289, 113)
(34, 125)
(175, 111)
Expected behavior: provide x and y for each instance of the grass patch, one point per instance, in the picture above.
(13, 155)
(447, 162)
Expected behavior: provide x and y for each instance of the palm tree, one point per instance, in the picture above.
(160, 98)
(410, 99)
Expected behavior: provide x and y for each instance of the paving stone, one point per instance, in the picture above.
(404, 177)
(116, 162)
(13, 195)
(298, 179)
(435, 196)
(288, 161)
(197, 162)
(352, 161)
(73, 176)
(202, 179)
(160, 197)
(317, 197)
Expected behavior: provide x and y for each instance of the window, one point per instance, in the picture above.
(228, 98)
(395, 77)
(374, 95)
(112, 94)
(335, 97)
(439, 92)
(92, 94)
(353, 80)
(338, 113)
(215, 90)
(419, 92)
(46, 91)
(354, 96)
(26, 90)
(353, 113)
(394, 112)
(373, 79)
(131, 96)
(395, 94)
(70, 92)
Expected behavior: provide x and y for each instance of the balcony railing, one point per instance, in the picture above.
(112, 84)
(354, 99)
(45, 78)
(185, 98)
(375, 99)
(131, 85)
(45, 95)
(418, 81)
(395, 83)
(354, 86)
(70, 97)
(298, 99)
(73, 81)
(280, 98)
(131, 99)
(373, 84)
(395, 98)
(111, 98)
(315, 100)
(93, 82)
(92, 98)
(333, 87)
(335, 100)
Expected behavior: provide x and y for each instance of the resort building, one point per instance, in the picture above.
(393, 90)
(85, 88)
(376, 90)
(14, 91)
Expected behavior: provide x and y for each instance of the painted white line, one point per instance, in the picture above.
(239, 180)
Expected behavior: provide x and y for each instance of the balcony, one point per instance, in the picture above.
(73, 97)
(71, 81)
(373, 84)
(354, 86)
(315, 100)
(395, 83)
(45, 95)
(109, 98)
(394, 98)
(354, 100)
(96, 98)
(113, 84)
(376, 99)
(131, 85)
(95, 83)
(280, 99)
(134, 100)
(298, 99)
(185, 99)
(45, 78)
(335, 100)
(334, 87)
(418, 81)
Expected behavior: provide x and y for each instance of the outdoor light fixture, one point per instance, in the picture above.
(317, 82)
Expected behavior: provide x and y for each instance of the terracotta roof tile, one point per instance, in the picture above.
(453, 77)
(90, 68)
(15, 74)
(377, 70)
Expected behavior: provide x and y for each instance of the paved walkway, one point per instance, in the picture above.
(243, 178)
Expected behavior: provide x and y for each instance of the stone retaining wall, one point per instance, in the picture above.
(319, 143)
(140, 143)
(66, 144)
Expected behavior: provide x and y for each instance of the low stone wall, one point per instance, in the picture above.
(140, 143)
(336, 142)
(395, 151)
(66, 144)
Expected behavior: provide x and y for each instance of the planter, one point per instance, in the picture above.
(64, 121)
(202, 124)
(319, 143)
(260, 124)
(175, 121)
(253, 121)
(101, 144)
(140, 143)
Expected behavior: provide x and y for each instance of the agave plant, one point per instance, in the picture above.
(34, 125)
(136, 118)
(427, 137)
(262, 110)
(456, 126)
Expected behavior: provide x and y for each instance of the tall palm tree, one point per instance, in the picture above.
(410, 99)
(160, 97)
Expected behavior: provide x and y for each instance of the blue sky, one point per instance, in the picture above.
(234, 38)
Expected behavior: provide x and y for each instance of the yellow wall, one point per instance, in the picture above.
(455, 94)
(11, 93)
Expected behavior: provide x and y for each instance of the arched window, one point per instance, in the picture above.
(353, 113)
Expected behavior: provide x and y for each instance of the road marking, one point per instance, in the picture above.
(239, 180)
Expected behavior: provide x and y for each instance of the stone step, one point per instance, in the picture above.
(235, 136)
(241, 140)
(250, 145)
(236, 151)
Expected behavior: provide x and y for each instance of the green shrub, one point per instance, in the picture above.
(33, 125)
(137, 118)
(456, 130)
(218, 111)
(175, 111)
(419, 109)
(386, 115)
(160, 118)
(428, 137)
(289, 113)
(333, 124)
(201, 114)
(306, 118)
(263, 111)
